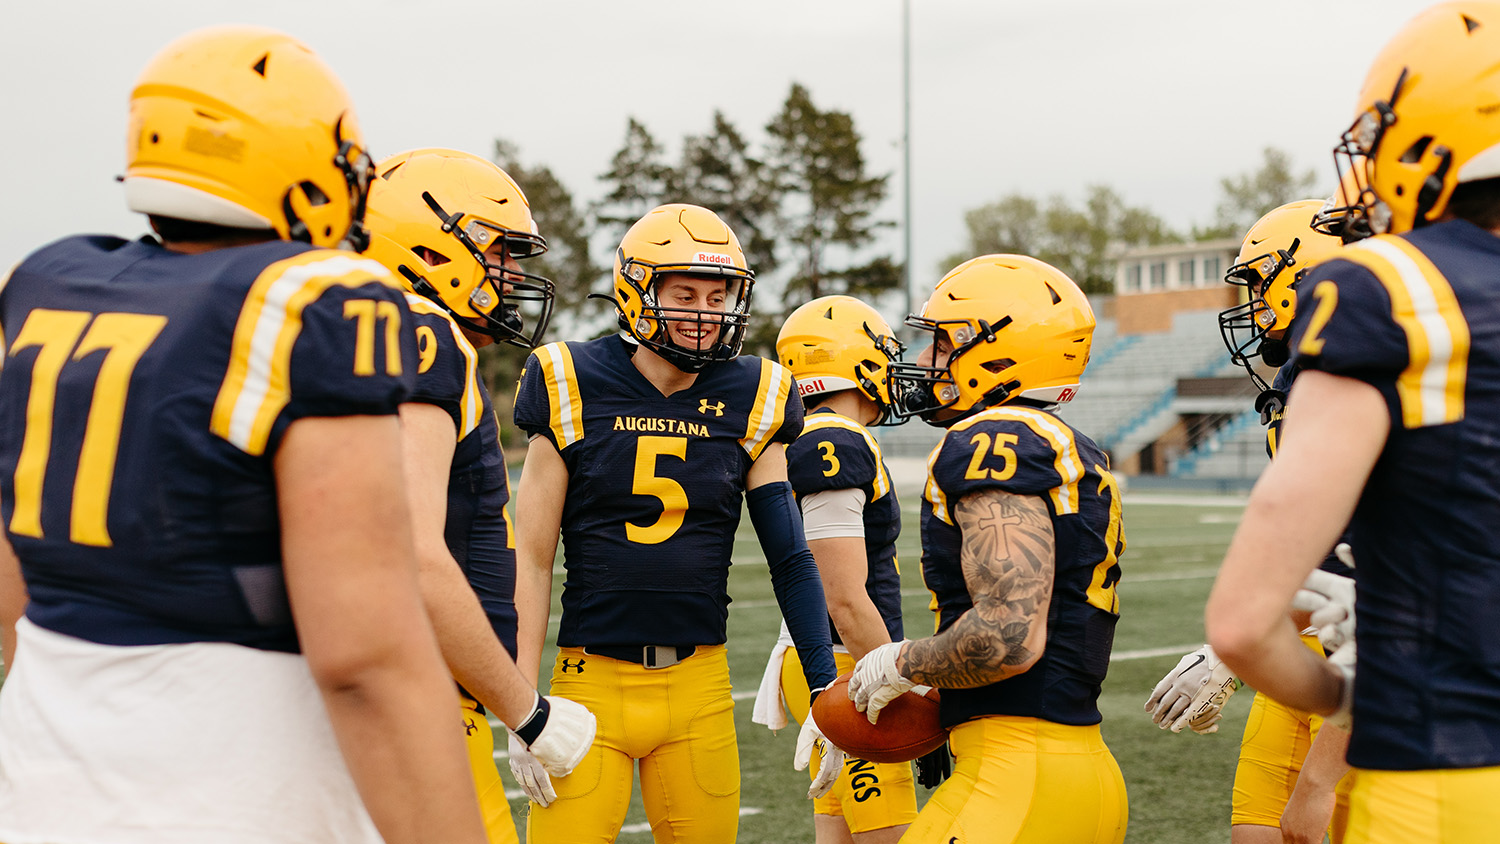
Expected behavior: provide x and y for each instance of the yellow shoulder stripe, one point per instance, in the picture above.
(471, 404)
(562, 393)
(257, 385)
(1066, 461)
(818, 421)
(770, 407)
(934, 493)
(1431, 388)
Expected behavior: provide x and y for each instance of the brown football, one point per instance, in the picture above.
(908, 728)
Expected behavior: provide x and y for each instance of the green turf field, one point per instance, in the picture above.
(1179, 785)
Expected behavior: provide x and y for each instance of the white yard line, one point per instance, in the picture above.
(1152, 653)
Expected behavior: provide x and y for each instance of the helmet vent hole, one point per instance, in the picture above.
(260, 66)
(501, 201)
(391, 172)
(1414, 152)
(828, 314)
(328, 231)
(1056, 299)
(430, 256)
(155, 138)
(315, 195)
(870, 364)
(1470, 23)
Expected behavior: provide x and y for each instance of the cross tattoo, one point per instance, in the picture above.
(999, 523)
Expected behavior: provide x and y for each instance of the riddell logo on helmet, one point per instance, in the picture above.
(807, 388)
(713, 258)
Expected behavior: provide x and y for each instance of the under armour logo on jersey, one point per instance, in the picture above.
(470, 726)
(566, 664)
(704, 407)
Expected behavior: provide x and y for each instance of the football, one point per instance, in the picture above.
(908, 728)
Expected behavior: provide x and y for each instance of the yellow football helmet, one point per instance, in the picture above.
(1427, 117)
(840, 343)
(1019, 330)
(246, 127)
(1278, 250)
(691, 240)
(433, 213)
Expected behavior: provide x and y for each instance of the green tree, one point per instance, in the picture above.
(1248, 196)
(718, 172)
(827, 200)
(639, 178)
(1081, 241)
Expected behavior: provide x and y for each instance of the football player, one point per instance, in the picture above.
(201, 491)
(1276, 756)
(452, 227)
(643, 447)
(1393, 421)
(1021, 544)
(840, 350)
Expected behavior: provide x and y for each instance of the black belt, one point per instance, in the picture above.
(648, 656)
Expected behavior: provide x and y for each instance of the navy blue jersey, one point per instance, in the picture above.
(655, 485)
(478, 530)
(1418, 317)
(1025, 451)
(835, 452)
(143, 396)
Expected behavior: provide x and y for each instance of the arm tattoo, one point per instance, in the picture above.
(1008, 560)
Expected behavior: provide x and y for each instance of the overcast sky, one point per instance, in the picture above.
(1159, 99)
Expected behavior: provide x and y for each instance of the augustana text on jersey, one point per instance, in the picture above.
(655, 425)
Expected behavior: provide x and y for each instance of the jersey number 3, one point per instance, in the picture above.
(123, 338)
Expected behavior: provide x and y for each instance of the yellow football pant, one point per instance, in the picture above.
(1457, 806)
(678, 721)
(487, 783)
(1276, 741)
(1025, 781)
(867, 795)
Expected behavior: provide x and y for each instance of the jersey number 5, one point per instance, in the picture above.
(674, 502)
(124, 338)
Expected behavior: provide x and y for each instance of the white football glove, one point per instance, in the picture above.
(876, 680)
(565, 738)
(1193, 694)
(1343, 659)
(529, 773)
(1330, 600)
(832, 761)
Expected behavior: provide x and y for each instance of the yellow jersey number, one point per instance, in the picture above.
(123, 338)
(828, 457)
(365, 313)
(673, 497)
(1101, 591)
(1002, 450)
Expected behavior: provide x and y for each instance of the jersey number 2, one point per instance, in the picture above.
(674, 502)
(124, 338)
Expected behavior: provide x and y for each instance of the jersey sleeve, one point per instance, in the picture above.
(830, 457)
(775, 411)
(1018, 451)
(447, 370)
(324, 334)
(1346, 326)
(548, 403)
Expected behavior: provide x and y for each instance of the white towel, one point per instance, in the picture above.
(770, 704)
